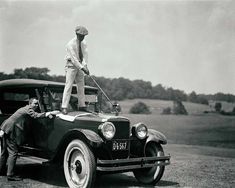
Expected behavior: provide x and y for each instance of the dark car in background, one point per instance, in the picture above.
(84, 143)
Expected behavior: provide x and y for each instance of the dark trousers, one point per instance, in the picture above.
(9, 150)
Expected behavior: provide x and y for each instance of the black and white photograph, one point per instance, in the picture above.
(117, 93)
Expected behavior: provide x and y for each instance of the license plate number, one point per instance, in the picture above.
(120, 145)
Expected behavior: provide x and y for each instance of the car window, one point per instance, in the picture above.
(11, 101)
(56, 99)
(91, 98)
(10, 96)
(57, 95)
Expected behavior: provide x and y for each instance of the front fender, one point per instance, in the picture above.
(91, 138)
(156, 136)
(88, 136)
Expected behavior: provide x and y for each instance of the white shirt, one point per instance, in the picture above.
(72, 53)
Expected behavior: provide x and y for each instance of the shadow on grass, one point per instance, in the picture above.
(163, 183)
(126, 180)
(52, 175)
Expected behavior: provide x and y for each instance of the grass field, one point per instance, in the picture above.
(156, 106)
(196, 128)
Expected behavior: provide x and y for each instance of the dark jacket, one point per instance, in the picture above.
(14, 125)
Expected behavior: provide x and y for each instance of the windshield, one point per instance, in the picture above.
(91, 100)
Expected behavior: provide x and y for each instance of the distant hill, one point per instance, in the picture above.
(157, 106)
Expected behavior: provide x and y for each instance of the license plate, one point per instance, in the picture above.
(120, 145)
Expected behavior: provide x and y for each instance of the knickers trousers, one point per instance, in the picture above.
(3, 154)
(73, 74)
(10, 151)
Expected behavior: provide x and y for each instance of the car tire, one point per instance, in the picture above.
(151, 175)
(79, 165)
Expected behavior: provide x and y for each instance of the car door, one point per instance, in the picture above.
(11, 99)
(36, 131)
(42, 128)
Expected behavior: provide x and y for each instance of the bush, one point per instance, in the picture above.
(166, 110)
(140, 108)
(178, 108)
(218, 107)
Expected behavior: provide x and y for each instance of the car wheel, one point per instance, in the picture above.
(151, 175)
(79, 165)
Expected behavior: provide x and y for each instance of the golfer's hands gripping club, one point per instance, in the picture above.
(85, 70)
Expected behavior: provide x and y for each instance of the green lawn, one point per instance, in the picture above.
(196, 128)
(156, 106)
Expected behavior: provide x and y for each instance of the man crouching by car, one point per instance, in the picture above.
(9, 139)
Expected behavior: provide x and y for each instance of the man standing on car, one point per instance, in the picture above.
(76, 65)
(11, 131)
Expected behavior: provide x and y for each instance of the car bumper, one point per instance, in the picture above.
(132, 163)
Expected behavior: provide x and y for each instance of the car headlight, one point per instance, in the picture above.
(140, 130)
(108, 130)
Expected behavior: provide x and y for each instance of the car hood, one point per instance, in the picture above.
(72, 116)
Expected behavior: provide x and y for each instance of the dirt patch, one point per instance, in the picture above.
(195, 166)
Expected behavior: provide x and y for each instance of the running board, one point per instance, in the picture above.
(34, 159)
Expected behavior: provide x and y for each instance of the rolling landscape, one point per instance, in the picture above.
(196, 128)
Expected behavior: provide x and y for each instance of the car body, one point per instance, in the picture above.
(83, 142)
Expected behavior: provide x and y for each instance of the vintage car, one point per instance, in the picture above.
(83, 143)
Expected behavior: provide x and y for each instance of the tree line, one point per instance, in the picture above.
(122, 88)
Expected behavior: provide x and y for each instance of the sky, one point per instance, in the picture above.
(187, 45)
